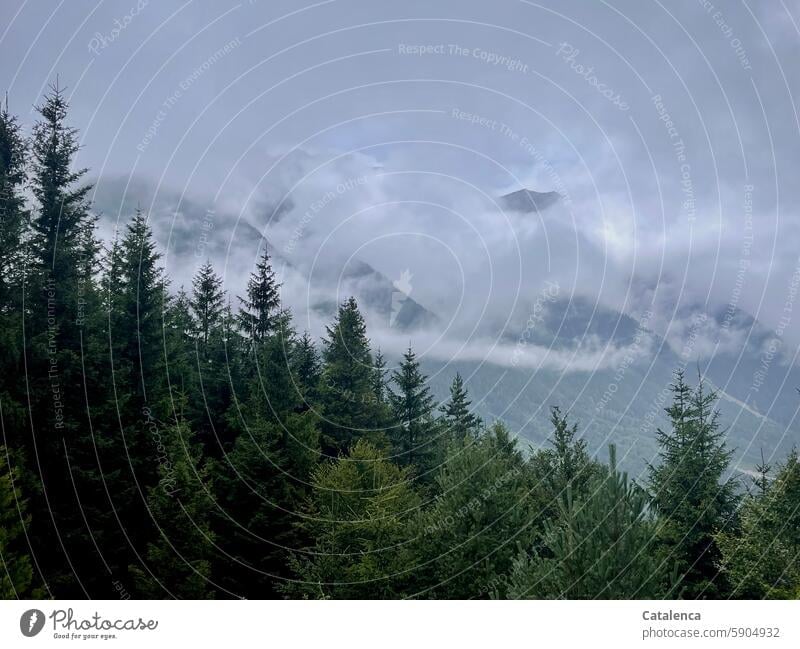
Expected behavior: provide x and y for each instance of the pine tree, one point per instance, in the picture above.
(415, 435)
(141, 306)
(362, 504)
(566, 465)
(178, 562)
(16, 572)
(61, 353)
(307, 371)
(761, 559)
(14, 218)
(262, 486)
(690, 490)
(598, 548)
(459, 421)
(207, 303)
(62, 220)
(261, 306)
(346, 390)
(466, 540)
(13, 214)
(379, 372)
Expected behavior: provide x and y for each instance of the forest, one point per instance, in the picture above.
(162, 442)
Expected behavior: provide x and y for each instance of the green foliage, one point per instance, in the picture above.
(307, 371)
(459, 421)
(283, 471)
(415, 435)
(260, 308)
(359, 520)
(467, 538)
(599, 547)
(564, 467)
(177, 563)
(262, 485)
(16, 572)
(349, 402)
(691, 492)
(13, 214)
(762, 560)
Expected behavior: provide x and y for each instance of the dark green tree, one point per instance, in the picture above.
(415, 435)
(601, 547)
(464, 542)
(307, 370)
(459, 421)
(262, 485)
(691, 492)
(177, 563)
(359, 520)
(261, 306)
(64, 382)
(16, 571)
(207, 303)
(761, 559)
(346, 390)
(13, 212)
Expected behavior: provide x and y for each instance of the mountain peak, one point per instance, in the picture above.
(528, 201)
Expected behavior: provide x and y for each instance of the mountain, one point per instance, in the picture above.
(190, 233)
(611, 376)
(527, 201)
(619, 402)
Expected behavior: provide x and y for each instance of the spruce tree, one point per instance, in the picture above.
(564, 465)
(177, 563)
(307, 370)
(359, 522)
(459, 421)
(262, 485)
(261, 307)
(16, 571)
(415, 434)
(761, 559)
(691, 490)
(599, 547)
(13, 213)
(207, 303)
(63, 385)
(62, 219)
(466, 539)
(346, 389)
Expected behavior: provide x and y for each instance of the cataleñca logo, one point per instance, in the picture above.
(31, 622)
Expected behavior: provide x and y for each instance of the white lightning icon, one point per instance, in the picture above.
(32, 620)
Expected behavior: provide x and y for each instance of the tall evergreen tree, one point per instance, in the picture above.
(761, 559)
(62, 219)
(459, 421)
(466, 539)
(307, 370)
(359, 522)
(691, 490)
(415, 436)
(564, 465)
(62, 328)
(13, 213)
(16, 571)
(601, 547)
(262, 485)
(207, 303)
(177, 563)
(261, 307)
(346, 390)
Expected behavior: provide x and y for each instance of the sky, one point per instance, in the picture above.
(384, 132)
